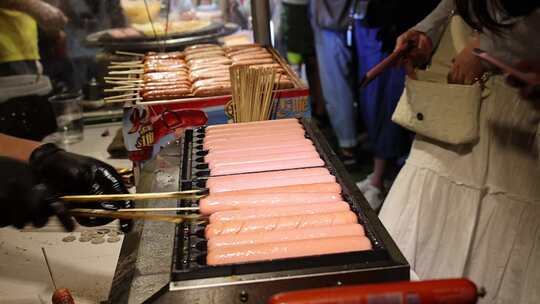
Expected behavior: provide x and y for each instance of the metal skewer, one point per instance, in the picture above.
(189, 194)
(133, 215)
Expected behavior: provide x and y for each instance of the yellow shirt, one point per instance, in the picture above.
(18, 36)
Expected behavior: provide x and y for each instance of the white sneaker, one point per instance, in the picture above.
(363, 185)
(374, 197)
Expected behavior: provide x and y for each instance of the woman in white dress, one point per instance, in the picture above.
(474, 210)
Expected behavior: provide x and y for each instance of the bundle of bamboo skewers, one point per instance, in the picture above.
(252, 93)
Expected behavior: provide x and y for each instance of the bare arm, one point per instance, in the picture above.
(17, 148)
(49, 18)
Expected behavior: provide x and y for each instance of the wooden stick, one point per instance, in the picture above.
(122, 89)
(119, 96)
(189, 194)
(129, 53)
(177, 219)
(126, 62)
(135, 72)
(122, 100)
(159, 209)
(123, 83)
(122, 66)
(125, 79)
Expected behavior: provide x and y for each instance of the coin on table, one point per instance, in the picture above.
(98, 240)
(85, 239)
(69, 238)
(112, 233)
(86, 232)
(103, 230)
(113, 239)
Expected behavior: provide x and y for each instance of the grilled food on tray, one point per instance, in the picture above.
(202, 70)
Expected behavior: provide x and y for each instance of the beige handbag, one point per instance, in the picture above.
(430, 106)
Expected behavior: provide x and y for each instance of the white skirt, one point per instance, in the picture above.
(475, 211)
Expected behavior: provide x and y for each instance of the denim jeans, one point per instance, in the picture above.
(378, 100)
(337, 78)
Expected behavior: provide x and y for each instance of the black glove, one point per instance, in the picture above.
(70, 173)
(22, 201)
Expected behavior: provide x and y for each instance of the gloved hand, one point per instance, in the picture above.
(22, 201)
(70, 173)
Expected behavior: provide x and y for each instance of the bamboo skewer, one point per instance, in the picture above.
(122, 100)
(177, 219)
(189, 194)
(252, 89)
(129, 53)
(121, 66)
(121, 96)
(159, 209)
(126, 79)
(122, 89)
(136, 72)
(136, 62)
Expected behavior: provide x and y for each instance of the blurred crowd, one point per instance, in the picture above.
(457, 117)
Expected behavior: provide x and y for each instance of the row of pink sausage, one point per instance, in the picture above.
(256, 147)
(273, 215)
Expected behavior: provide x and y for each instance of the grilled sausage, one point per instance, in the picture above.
(223, 201)
(253, 124)
(281, 224)
(261, 213)
(273, 251)
(232, 240)
(281, 162)
(213, 90)
(253, 61)
(218, 156)
(165, 94)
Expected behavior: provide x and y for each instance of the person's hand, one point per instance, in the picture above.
(466, 68)
(420, 54)
(23, 201)
(50, 18)
(527, 91)
(70, 173)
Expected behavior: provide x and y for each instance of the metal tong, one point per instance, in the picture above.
(137, 213)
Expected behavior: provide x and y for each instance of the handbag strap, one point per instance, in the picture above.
(455, 37)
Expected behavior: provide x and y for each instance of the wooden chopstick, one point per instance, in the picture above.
(189, 194)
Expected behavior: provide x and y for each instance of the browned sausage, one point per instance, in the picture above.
(233, 48)
(200, 46)
(245, 51)
(166, 68)
(205, 54)
(215, 61)
(215, 90)
(164, 75)
(211, 82)
(251, 56)
(165, 94)
(253, 62)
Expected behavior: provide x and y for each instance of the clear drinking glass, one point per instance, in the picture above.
(69, 117)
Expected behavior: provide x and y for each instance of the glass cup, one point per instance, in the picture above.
(69, 117)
